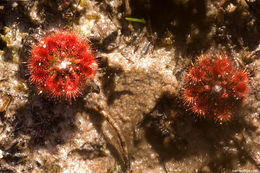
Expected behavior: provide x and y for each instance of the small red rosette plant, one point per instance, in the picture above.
(214, 87)
(60, 64)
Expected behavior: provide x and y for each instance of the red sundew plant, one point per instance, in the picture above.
(60, 64)
(214, 87)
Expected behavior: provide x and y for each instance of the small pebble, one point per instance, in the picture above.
(1, 154)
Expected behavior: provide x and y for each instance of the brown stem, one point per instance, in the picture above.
(127, 8)
(122, 140)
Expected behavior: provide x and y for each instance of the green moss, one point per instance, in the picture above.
(13, 40)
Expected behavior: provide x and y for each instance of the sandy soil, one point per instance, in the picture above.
(138, 85)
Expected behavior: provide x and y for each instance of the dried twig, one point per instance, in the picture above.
(128, 10)
(112, 122)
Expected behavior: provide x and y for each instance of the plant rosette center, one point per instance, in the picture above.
(60, 65)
